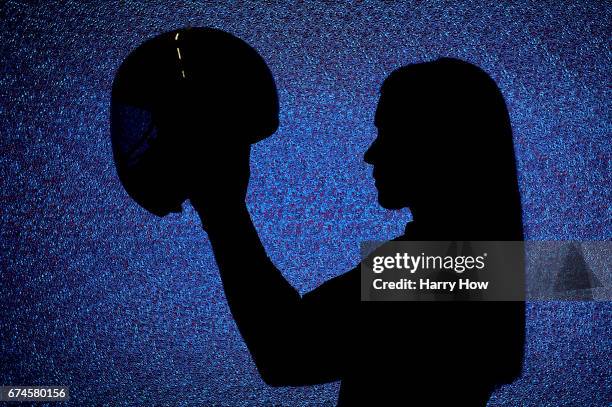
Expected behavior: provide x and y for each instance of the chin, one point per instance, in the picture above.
(391, 203)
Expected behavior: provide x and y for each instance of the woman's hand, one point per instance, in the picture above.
(221, 185)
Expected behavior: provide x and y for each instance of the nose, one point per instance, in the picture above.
(370, 155)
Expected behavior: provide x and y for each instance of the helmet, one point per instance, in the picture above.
(175, 99)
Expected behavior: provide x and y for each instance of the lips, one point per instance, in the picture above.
(376, 180)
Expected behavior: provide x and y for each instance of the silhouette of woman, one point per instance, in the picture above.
(444, 149)
(186, 106)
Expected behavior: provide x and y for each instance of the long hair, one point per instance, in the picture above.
(467, 131)
(455, 119)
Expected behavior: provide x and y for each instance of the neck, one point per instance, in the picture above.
(449, 222)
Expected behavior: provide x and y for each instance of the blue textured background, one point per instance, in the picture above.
(98, 295)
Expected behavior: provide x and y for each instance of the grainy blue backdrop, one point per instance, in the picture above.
(127, 309)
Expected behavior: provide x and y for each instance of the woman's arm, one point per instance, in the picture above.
(293, 341)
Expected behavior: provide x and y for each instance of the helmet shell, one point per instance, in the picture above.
(175, 99)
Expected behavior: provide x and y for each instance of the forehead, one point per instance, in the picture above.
(404, 109)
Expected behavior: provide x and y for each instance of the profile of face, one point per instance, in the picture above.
(387, 154)
(401, 154)
(443, 129)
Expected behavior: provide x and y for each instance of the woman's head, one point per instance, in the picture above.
(444, 142)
